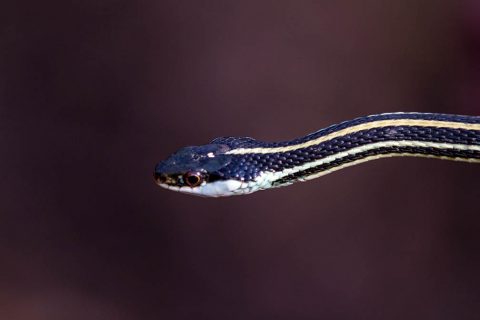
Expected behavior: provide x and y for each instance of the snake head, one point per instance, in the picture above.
(193, 169)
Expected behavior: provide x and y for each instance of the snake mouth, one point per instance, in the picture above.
(212, 189)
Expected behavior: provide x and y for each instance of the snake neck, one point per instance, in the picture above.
(439, 136)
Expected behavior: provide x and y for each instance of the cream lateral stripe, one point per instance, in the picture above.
(380, 156)
(363, 126)
(368, 147)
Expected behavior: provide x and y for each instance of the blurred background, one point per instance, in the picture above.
(94, 93)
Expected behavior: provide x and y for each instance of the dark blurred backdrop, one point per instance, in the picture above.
(94, 93)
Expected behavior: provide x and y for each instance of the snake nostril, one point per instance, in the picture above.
(160, 178)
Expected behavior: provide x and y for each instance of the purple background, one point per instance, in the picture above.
(94, 93)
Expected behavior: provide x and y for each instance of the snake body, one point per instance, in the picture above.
(241, 165)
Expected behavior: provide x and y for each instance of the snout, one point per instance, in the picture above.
(160, 178)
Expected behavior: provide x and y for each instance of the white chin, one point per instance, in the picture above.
(217, 189)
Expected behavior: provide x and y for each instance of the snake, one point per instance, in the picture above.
(242, 165)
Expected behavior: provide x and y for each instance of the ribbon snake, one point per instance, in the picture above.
(241, 165)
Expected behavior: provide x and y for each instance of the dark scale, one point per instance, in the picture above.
(245, 143)
(410, 150)
(254, 164)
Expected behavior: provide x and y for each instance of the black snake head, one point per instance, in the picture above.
(190, 168)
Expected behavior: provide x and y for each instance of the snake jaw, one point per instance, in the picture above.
(226, 188)
(215, 189)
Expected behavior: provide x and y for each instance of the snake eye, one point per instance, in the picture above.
(193, 179)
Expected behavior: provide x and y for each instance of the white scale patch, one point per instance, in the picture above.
(224, 188)
(214, 189)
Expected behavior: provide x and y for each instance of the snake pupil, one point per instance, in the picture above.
(193, 179)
